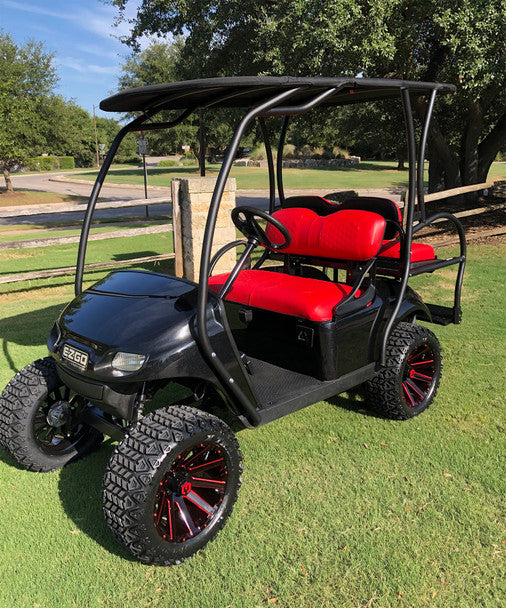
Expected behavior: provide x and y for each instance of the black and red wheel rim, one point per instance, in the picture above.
(419, 375)
(190, 494)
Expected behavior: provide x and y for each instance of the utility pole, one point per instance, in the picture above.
(96, 138)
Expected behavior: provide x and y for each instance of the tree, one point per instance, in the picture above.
(27, 76)
(457, 41)
(162, 62)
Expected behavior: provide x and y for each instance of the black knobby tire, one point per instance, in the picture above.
(409, 381)
(24, 430)
(171, 484)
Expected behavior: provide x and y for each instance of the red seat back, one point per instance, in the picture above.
(349, 234)
(383, 206)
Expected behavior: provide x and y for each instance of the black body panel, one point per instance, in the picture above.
(324, 350)
(154, 316)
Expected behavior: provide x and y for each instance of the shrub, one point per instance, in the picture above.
(131, 159)
(317, 152)
(259, 153)
(188, 161)
(67, 162)
(289, 151)
(305, 151)
(43, 163)
(168, 163)
(340, 152)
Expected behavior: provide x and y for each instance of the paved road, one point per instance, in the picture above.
(47, 182)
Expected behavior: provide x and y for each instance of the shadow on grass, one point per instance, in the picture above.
(353, 401)
(170, 171)
(80, 491)
(27, 329)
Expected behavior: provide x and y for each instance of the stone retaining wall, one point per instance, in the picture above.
(300, 163)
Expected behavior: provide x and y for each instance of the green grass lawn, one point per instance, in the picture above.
(374, 174)
(338, 508)
(14, 261)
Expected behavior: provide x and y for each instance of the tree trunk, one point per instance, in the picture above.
(444, 169)
(7, 177)
(489, 148)
(469, 150)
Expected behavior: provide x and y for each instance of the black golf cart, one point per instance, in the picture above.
(326, 308)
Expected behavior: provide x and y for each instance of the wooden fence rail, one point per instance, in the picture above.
(66, 208)
(14, 211)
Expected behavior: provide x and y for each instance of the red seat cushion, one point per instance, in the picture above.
(351, 234)
(419, 251)
(302, 297)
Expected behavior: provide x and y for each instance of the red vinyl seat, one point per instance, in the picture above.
(350, 234)
(299, 296)
(391, 212)
(419, 251)
(354, 235)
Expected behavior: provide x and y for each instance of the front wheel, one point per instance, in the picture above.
(39, 419)
(409, 381)
(171, 484)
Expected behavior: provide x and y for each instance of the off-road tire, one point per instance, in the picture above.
(385, 392)
(145, 464)
(22, 402)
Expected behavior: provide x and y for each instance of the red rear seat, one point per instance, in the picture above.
(390, 211)
(307, 298)
(419, 251)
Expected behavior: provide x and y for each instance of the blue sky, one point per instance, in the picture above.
(82, 36)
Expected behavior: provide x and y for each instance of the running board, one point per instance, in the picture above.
(318, 392)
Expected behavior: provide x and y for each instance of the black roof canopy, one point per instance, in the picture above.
(248, 91)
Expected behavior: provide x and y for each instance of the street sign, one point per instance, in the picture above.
(142, 145)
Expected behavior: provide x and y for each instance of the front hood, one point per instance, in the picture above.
(134, 312)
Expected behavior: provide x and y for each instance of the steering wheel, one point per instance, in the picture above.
(244, 220)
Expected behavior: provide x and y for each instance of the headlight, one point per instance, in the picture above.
(128, 362)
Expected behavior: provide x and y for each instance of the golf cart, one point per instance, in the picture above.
(326, 308)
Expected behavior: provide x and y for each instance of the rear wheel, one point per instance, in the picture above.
(39, 419)
(171, 484)
(409, 381)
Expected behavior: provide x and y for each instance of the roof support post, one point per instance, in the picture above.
(405, 256)
(208, 352)
(270, 164)
(281, 145)
(421, 154)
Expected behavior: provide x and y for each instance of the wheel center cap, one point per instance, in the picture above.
(186, 488)
(58, 414)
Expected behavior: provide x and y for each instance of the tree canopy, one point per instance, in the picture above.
(27, 76)
(163, 62)
(461, 42)
(34, 120)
